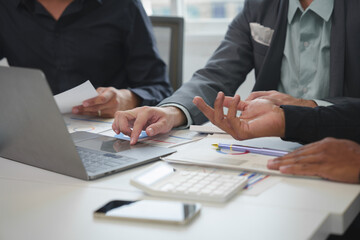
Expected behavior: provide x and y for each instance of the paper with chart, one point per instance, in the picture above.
(75, 123)
(75, 96)
(206, 128)
(203, 153)
(172, 139)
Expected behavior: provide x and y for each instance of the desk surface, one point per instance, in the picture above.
(42, 204)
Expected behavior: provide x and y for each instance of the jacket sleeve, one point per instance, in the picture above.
(1, 50)
(307, 125)
(225, 71)
(145, 69)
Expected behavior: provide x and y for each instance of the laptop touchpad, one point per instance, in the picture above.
(106, 144)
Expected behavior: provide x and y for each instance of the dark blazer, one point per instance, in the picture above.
(307, 125)
(239, 53)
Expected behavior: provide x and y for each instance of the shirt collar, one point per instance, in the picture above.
(323, 8)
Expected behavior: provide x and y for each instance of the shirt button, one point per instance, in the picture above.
(306, 44)
(305, 90)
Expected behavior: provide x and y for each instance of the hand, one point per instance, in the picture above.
(281, 99)
(259, 117)
(330, 158)
(108, 102)
(154, 120)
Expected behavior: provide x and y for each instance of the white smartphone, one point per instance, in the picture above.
(150, 210)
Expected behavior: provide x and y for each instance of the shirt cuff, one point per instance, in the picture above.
(322, 103)
(184, 110)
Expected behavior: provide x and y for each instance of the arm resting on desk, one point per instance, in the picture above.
(307, 125)
(146, 71)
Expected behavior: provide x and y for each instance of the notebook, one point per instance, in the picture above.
(32, 131)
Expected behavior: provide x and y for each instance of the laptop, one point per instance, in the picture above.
(33, 131)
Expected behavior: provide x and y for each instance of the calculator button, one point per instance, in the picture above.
(209, 185)
(168, 187)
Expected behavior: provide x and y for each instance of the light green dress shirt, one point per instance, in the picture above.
(305, 70)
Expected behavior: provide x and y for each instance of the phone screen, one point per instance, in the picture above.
(150, 210)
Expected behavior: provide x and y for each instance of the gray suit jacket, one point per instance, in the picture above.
(239, 53)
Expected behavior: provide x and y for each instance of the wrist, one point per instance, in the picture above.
(176, 115)
(130, 97)
(308, 103)
(281, 129)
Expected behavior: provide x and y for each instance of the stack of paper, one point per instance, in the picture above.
(204, 153)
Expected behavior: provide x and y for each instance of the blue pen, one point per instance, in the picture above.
(240, 148)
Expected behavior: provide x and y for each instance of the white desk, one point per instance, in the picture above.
(38, 204)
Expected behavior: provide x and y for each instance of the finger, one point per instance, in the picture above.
(258, 94)
(298, 159)
(139, 125)
(115, 126)
(309, 149)
(107, 113)
(242, 105)
(227, 102)
(80, 110)
(104, 97)
(234, 122)
(301, 169)
(101, 114)
(273, 99)
(157, 128)
(218, 107)
(123, 122)
(233, 108)
(100, 90)
(90, 111)
(90, 102)
(108, 107)
(204, 108)
(77, 109)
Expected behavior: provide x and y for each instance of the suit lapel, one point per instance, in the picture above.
(337, 49)
(270, 73)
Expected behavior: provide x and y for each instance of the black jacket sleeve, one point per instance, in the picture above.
(146, 70)
(307, 125)
(1, 50)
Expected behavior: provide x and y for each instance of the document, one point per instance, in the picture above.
(172, 139)
(204, 153)
(76, 123)
(75, 96)
(206, 128)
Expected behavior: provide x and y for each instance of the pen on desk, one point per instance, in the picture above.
(240, 148)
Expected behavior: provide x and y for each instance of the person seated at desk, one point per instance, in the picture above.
(299, 48)
(107, 42)
(330, 158)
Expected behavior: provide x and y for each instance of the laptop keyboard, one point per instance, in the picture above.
(101, 162)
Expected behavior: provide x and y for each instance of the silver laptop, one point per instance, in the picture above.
(32, 131)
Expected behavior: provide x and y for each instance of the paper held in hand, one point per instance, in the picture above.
(75, 96)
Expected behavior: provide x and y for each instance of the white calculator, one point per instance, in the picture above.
(163, 180)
